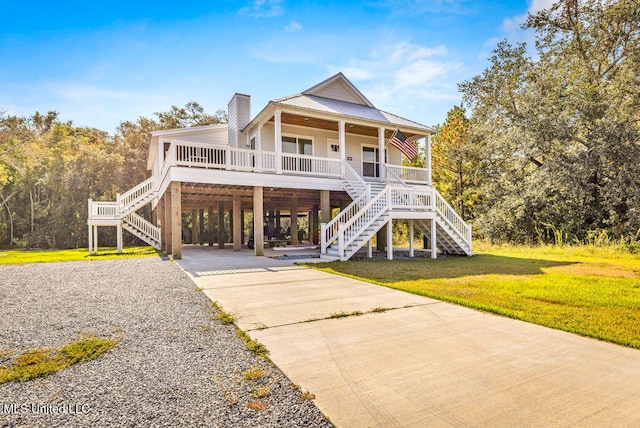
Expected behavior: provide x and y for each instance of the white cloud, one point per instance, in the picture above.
(293, 27)
(263, 9)
(404, 76)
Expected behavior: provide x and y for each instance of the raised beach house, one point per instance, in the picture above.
(326, 154)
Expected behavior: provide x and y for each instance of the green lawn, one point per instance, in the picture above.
(40, 256)
(590, 291)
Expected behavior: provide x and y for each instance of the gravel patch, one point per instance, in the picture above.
(175, 364)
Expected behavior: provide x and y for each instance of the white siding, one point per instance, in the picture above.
(337, 91)
(239, 114)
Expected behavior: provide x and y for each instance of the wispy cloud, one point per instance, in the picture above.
(293, 27)
(263, 9)
(405, 75)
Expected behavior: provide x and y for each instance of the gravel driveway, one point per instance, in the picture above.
(175, 364)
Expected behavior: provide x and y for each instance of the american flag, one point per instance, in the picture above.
(399, 141)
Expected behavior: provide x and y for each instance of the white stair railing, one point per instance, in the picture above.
(348, 232)
(147, 231)
(452, 219)
(133, 196)
(329, 231)
(354, 180)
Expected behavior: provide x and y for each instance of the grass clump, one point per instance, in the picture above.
(253, 345)
(253, 373)
(43, 362)
(586, 290)
(225, 318)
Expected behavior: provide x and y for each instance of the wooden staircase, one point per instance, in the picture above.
(122, 212)
(374, 207)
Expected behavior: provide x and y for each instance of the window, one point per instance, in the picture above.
(370, 161)
(335, 148)
(298, 146)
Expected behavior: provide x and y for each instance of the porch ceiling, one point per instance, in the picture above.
(199, 195)
(332, 125)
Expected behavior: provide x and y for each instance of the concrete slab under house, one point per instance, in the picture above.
(323, 167)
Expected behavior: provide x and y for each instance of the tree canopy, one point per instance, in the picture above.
(559, 125)
(49, 168)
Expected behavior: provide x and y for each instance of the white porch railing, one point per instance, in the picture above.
(98, 209)
(407, 198)
(410, 174)
(311, 165)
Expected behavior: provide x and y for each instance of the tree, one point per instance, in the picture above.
(455, 162)
(560, 126)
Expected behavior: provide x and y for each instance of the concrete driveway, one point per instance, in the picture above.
(413, 361)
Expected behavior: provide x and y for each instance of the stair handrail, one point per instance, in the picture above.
(395, 178)
(365, 222)
(144, 226)
(351, 175)
(135, 194)
(451, 217)
(329, 231)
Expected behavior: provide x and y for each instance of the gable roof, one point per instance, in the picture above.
(338, 96)
(338, 87)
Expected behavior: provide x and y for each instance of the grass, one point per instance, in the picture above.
(586, 290)
(229, 318)
(43, 362)
(44, 256)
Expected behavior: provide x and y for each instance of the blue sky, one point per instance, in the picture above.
(100, 62)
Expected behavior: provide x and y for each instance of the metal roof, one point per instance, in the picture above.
(327, 105)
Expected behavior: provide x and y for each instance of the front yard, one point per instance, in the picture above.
(585, 290)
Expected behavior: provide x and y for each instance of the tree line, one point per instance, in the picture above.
(50, 168)
(550, 148)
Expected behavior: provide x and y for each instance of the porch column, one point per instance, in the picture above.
(160, 214)
(325, 206)
(176, 220)
(293, 204)
(259, 147)
(271, 221)
(258, 221)
(428, 156)
(433, 238)
(221, 225)
(90, 236)
(168, 243)
(95, 239)
(119, 238)
(195, 227)
(381, 238)
(411, 238)
(201, 227)
(315, 234)
(381, 160)
(277, 119)
(160, 222)
(390, 240)
(242, 230)
(341, 140)
(237, 224)
(210, 224)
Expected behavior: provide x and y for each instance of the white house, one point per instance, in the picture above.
(316, 153)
